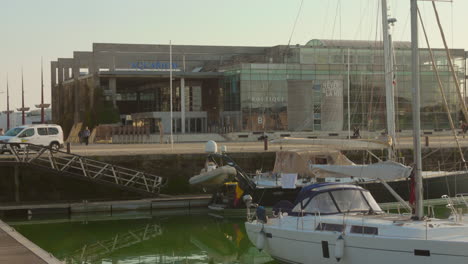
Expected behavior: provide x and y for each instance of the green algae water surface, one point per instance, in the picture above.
(135, 238)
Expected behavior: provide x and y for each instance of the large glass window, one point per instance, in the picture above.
(350, 201)
(42, 131)
(14, 131)
(27, 133)
(322, 203)
(53, 131)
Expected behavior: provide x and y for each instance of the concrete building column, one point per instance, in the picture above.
(67, 73)
(182, 105)
(113, 88)
(54, 90)
(60, 106)
(94, 70)
(76, 92)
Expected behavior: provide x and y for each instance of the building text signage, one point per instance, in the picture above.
(154, 65)
(268, 99)
(332, 88)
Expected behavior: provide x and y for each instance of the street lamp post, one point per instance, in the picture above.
(23, 118)
(42, 95)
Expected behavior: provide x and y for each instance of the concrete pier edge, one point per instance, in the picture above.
(35, 249)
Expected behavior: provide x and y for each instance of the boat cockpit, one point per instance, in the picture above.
(332, 198)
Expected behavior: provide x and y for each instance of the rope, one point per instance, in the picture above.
(294, 27)
(449, 57)
(441, 88)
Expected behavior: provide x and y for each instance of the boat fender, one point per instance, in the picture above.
(260, 242)
(339, 248)
(261, 214)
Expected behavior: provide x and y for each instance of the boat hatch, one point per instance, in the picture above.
(365, 230)
(334, 199)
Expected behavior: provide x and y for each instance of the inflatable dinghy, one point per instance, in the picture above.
(214, 176)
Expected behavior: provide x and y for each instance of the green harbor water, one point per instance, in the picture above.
(168, 237)
(181, 236)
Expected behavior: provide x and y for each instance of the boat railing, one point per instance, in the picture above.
(451, 205)
(462, 199)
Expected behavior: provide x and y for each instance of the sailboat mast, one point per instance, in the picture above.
(389, 92)
(419, 212)
(349, 100)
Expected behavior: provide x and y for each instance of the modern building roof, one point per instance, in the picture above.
(365, 44)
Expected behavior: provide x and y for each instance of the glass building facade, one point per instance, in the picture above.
(308, 89)
(220, 89)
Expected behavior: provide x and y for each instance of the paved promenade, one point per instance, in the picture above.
(233, 147)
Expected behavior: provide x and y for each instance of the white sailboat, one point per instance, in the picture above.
(342, 223)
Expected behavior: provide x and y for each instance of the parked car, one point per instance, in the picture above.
(43, 134)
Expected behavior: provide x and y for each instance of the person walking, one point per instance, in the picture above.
(86, 133)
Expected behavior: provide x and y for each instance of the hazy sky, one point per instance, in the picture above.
(30, 29)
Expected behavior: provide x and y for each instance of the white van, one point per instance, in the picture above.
(42, 134)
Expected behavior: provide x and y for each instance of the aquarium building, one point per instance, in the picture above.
(222, 89)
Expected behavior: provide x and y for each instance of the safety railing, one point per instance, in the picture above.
(79, 166)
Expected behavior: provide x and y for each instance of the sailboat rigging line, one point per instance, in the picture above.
(370, 123)
(261, 197)
(449, 58)
(447, 185)
(294, 27)
(337, 11)
(441, 88)
(430, 153)
(326, 18)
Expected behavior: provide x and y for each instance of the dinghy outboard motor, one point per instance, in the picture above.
(261, 214)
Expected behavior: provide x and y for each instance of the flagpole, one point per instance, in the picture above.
(23, 120)
(42, 94)
(8, 105)
(170, 87)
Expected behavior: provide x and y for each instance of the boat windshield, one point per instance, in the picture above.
(14, 131)
(338, 201)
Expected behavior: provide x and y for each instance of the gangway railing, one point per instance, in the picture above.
(86, 168)
(94, 251)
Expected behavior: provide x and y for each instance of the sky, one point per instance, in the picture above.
(51, 29)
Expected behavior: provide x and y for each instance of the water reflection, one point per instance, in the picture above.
(180, 238)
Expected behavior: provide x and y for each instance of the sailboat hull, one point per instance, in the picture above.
(298, 246)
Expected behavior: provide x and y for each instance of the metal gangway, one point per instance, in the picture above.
(85, 168)
(95, 251)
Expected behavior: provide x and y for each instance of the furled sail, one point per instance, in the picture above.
(387, 170)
